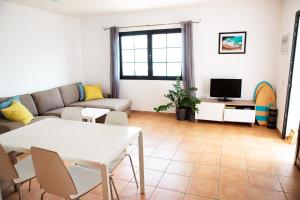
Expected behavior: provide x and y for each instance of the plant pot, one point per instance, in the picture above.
(190, 115)
(180, 114)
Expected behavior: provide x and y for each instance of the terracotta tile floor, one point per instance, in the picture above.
(204, 160)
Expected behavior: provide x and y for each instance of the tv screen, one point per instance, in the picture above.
(225, 88)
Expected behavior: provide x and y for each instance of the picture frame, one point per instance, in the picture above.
(232, 42)
(285, 44)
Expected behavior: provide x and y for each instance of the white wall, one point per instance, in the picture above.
(260, 18)
(289, 9)
(38, 49)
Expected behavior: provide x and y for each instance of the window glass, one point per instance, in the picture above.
(127, 42)
(174, 39)
(128, 69)
(140, 41)
(174, 69)
(159, 69)
(159, 40)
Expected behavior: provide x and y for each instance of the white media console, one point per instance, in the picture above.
(242, 111)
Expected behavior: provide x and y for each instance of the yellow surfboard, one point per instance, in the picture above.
(264, 98)
(259, 87)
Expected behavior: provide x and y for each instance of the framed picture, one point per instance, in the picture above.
(232, 42)
(285, 44)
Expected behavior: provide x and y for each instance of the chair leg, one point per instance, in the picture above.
(43, 194)
(29, 187)
(0, 192)
(19, 191)
(110, 184)
(112, 181)
(132, 167)
(15, 188)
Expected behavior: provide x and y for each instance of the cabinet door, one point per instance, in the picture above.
(239, 115)
(210, 111)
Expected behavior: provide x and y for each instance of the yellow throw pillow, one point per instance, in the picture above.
(92, 92)
(17, 112)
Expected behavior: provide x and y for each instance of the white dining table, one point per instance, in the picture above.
(90, 144)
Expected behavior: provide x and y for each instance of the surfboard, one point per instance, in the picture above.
(264, 99)
(259, 87)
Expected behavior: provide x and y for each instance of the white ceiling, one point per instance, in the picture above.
(80, 8)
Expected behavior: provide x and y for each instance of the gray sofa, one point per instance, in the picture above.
(50, 103)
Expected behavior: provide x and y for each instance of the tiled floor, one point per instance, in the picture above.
(205, 160)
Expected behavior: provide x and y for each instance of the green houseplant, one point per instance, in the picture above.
(182, 100)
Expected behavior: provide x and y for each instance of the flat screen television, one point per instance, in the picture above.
(225, 88)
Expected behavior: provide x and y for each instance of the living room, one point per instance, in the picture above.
(54, 43)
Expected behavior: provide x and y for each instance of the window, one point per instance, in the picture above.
(153, 54)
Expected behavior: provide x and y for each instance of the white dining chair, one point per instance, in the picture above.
(19, 173)
(70, 113)
(116, 118)
(55, 178)
(121, 119)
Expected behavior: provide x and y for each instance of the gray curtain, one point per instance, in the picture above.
(114, 62)
(188, 57)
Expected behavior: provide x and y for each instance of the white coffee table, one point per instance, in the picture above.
(91, 114)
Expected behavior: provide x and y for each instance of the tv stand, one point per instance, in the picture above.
(225, 99)
(242, 111)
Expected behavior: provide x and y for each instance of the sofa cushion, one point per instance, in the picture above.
(28, 102)
(57, 112)
(47, 100)
(69, 93)
(108, 103)
(81, 92)
(17, 112)
(6, 125)
(92, 92)
(6, 102)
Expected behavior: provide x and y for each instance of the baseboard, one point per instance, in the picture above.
(278, 132)
(152, 112)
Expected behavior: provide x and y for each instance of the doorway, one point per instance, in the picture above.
(292, 107)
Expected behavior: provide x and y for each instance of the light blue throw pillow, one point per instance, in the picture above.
(81, 92)
(7, 103)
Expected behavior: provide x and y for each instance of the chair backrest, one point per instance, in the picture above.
(7, 170)
(52, 173)
(71, 114)
(116, 118)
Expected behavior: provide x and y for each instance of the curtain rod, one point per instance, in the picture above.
(147, 25)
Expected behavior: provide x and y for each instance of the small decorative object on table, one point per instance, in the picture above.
(182, 100)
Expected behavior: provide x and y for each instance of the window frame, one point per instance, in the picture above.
(149, 34)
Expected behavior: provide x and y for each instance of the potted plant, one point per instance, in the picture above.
(191, 108)
(181, 99)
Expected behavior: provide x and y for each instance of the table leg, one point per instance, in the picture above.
(141, 161)
(0, 192)
(105, 182)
